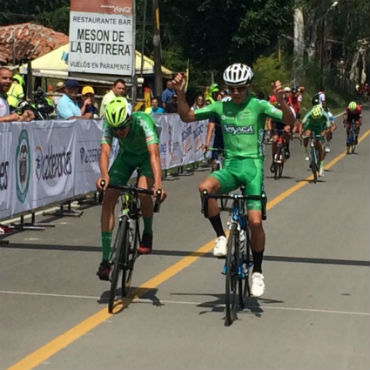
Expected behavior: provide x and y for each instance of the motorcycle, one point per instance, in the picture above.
(40, 105)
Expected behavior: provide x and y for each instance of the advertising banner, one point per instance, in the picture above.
(53, 154)
(46, 162)
(6, 169)
(101, 37)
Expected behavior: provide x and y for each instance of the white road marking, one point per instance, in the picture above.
(192, 303)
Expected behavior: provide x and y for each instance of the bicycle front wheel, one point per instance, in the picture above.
(129, 255)
(117, 257)
(232, 276)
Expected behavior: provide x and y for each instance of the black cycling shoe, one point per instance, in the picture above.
(104, 270)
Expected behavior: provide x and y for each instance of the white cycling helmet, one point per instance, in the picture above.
(238, 74)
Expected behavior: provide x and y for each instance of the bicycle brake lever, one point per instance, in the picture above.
(157, 200)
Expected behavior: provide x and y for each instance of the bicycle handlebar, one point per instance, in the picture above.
(136, 190)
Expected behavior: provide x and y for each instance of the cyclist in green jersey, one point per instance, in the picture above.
(317, 121)
(243, 121)
(138, 147)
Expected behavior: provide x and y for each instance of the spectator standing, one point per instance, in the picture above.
(59, 89)
(322, 97)
(167, 94)
(171, 107)
(118, 89)
(15, 92)
(68, 107)
(88, 102)
(198, 102)
(5, 115)
(155, 108)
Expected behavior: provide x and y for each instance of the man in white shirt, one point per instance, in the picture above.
(118, 89)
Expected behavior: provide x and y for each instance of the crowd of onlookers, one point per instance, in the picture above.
(71, 100)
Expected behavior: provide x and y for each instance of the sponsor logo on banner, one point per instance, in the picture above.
(50, 165)
(4, 168)
(89, 155)
(198, 137)
(23, 166)
(186, 140)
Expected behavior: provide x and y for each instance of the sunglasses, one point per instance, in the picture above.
(238, 89)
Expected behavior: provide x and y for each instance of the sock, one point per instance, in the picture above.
(148, 222)
(217, 225)
(257, 261)
(106, 239)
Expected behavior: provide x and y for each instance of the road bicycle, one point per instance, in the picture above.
(279, 157)
(314, 156)
(351, 141)
(124, 250)
(239, 261)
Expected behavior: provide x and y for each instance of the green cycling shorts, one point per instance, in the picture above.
(242, 171)
(125, 164)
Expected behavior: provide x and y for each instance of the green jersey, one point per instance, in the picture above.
(316, 125)
(242, 124)
(142, 133)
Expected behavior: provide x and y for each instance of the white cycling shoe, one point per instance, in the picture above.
(257, 284)
(220, 249)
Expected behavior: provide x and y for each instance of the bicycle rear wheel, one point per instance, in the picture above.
(232, 277)
(129, 256)
(117, 257)
(314, 164)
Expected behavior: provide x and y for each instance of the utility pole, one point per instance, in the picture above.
(157, 50)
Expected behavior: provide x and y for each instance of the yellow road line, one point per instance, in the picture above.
(68, 337)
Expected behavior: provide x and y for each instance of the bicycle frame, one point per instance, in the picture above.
(124, 251)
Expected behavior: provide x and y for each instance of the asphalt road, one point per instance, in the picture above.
(314, 314)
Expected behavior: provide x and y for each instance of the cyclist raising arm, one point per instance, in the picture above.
(242, 120)
(138, 142)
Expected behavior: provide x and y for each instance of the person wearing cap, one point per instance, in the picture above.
(67, 107)
(88, 100)
(15, 92)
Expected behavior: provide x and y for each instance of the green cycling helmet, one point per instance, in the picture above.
(116, 113)
(316, 112)
(352, 106)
